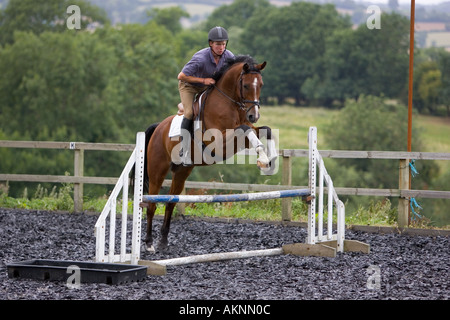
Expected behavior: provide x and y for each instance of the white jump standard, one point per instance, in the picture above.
(322, 244)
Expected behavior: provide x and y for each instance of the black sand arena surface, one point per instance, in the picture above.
(410, 267)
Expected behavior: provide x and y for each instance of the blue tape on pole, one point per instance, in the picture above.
(413, 203)
(226, 197)
(414, 171)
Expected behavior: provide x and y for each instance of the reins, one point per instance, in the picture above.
(242, 102)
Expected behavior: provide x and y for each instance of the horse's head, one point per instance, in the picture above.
(250, 83)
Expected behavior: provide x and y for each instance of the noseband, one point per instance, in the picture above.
(241, 103)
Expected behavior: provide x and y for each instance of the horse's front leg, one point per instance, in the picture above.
(251, 135)
(271, 149)
(272, 141)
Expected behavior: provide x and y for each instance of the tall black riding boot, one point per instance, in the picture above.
(185, 153)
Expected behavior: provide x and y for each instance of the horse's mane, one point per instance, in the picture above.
(232, 61)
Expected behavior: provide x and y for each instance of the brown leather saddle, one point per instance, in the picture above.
(195, 109)
(197, 106)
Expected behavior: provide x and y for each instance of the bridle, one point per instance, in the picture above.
(242, 102)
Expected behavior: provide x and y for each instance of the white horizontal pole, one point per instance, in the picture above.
(227, 197)
(212, 257)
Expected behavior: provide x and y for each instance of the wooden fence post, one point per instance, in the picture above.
(78, 187)
(403, 202)
(286, 203)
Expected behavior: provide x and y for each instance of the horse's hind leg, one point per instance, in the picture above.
(179, 177)
(149, 237)
(154, 186)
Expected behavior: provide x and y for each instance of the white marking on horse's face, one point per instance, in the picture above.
(255, 90)
(255, 86)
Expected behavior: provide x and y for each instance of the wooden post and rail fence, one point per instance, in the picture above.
(404, 193)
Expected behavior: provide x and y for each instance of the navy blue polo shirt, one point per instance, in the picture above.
(202, 64)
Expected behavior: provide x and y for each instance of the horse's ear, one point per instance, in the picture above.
(262, 65)
(246, 67)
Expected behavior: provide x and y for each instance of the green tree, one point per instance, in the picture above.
(187, 42)
(387, 49)
(79, 86)
(372, 124)
(38, 16)
(429, 88)
(444, 67)
(292, 40)
(234, 17)
(144, 84)
(104, 86)
(345, 75)
(235, 14)
(421, 84)
(364, 61)
(168, 17)
(56, 80)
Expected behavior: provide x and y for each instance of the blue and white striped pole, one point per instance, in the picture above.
(226, 197)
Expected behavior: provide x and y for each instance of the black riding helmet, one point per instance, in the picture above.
(218, 34)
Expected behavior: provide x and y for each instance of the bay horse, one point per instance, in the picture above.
(230, 109)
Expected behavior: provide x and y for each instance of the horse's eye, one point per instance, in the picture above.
(246, 86)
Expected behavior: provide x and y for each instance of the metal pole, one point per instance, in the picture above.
(410, 90)
(411, 67)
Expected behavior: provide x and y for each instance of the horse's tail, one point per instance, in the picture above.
(148, 135)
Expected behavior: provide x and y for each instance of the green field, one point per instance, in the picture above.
(436, 133)
(294, 122)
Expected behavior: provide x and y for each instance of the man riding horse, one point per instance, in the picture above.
(197, 74)
(228, 117)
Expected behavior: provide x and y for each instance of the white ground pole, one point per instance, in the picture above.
(211, 257)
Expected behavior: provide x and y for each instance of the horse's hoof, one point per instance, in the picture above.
(271, 169)
(262, 165)
(150, 249)
(162, 246)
